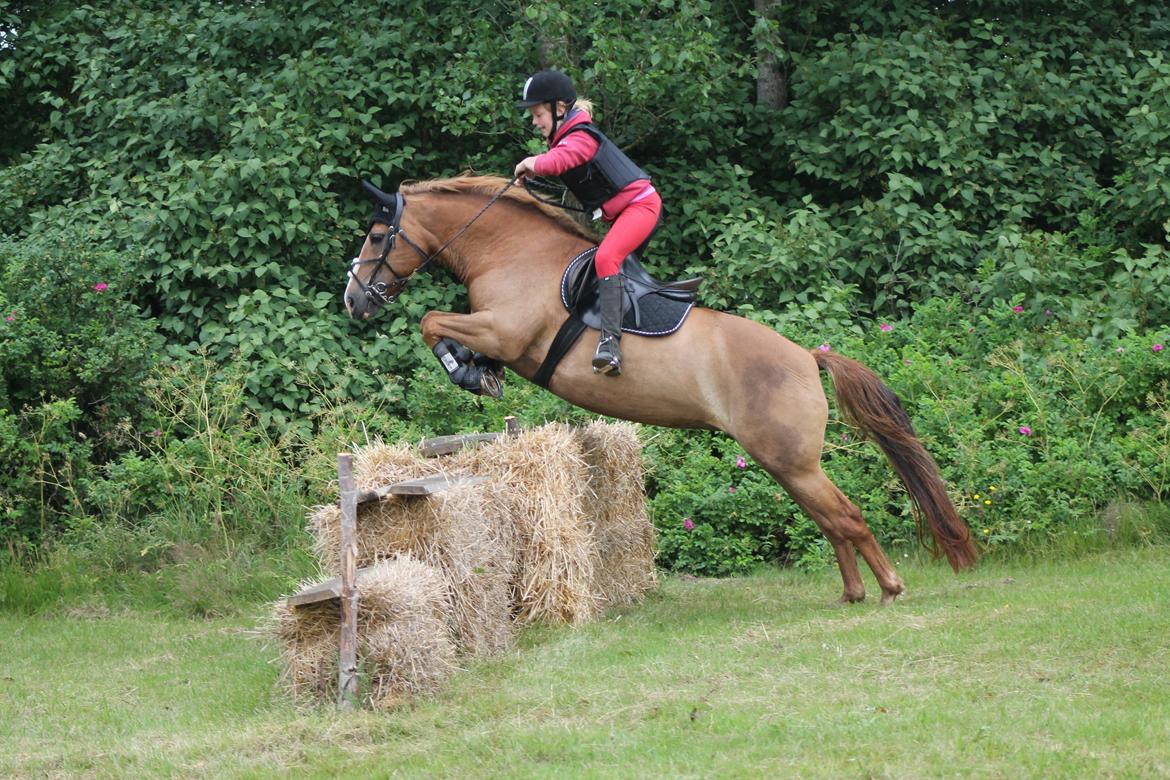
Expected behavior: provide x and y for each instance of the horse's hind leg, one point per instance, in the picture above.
(842, 524)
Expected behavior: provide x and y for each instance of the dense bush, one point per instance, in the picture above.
(225, 141)
(74, 351)
(931, 167)
(1033, 421)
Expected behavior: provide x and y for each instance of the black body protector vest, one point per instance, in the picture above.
(607, 174)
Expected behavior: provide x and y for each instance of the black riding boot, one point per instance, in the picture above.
(608, 358)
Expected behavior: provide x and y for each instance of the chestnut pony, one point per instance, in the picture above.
(717, 372)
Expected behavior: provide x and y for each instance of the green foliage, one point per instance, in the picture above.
(1036, 425)
(207, 493)
(1069, 277)
(715, 517)
(70, 329)
(1143, 186)
(41, 458)
(936, 165)
(74, 351)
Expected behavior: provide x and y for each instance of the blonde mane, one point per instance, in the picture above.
(491, 185)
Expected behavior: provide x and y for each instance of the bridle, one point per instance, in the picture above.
(391, 216)
(388, 210)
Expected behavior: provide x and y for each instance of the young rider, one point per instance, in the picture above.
(606, 182)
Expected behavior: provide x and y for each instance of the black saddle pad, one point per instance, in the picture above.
(652, 308)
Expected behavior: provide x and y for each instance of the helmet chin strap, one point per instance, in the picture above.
(552, 105)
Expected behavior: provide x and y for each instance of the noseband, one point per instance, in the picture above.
(388, 211)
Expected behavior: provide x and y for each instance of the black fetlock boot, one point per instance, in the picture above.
(472, 372)
(608, 358)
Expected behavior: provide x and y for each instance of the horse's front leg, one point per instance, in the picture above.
(455, 337)
(477, 332)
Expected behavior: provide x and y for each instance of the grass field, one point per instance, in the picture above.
(1014, 670)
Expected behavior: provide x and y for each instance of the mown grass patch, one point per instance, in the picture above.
(1020, 669)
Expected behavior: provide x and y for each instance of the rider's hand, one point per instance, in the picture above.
(524, 168)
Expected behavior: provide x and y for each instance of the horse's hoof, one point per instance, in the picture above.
(889, 598)
(490, 385)
(852, 598)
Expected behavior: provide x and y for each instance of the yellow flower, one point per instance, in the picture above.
(987, 501)
(976, 496)
(991, 489)
(986, 531)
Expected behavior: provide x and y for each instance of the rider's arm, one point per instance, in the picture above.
(572, 150)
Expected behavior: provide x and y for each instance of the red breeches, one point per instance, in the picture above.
(629, 231)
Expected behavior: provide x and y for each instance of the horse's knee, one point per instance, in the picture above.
(429, 327)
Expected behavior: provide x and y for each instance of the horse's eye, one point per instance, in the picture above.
(377, 238)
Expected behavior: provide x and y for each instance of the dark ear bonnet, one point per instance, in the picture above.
(387, 208)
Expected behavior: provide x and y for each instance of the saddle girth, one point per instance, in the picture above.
(652, 308)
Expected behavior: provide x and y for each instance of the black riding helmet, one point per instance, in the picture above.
(551, 87)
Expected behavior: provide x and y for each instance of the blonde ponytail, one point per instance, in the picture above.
(584, 104)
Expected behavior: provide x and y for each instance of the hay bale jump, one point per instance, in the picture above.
(457, 551)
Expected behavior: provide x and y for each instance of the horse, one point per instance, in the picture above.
(718, 371)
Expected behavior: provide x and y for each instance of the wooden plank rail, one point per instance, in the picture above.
(445, 445)
(422, 486)
(329, 590)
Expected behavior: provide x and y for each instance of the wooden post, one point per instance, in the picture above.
(347, 665)
(511, 427)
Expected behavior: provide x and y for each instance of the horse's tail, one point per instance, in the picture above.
(868, 403)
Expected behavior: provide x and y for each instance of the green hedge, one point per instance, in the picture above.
(934, 167)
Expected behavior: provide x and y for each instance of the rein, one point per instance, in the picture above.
(381, 291)
(536, 186)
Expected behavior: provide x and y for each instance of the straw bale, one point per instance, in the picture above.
(477, 554)
(454, 531)
(381, 464)
(542, 478)
(308, 639)
(562, 513)
(623, 535)
(403, 617)
(558, 531)
(404, 638)
(381, 528)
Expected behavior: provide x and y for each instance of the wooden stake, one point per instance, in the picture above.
(511, 427)
(347, 681)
